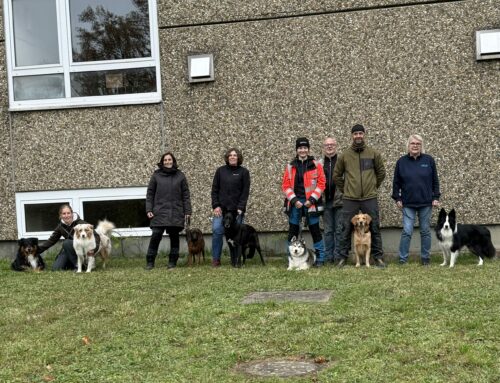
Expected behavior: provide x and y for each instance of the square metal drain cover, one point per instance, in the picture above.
(317, 296)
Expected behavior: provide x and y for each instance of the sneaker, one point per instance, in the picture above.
(379, 263)
(171, 265)
(319, 264)
(402, 263)
(215, 262)
(426, 262)
(341, 263)
(150, 266)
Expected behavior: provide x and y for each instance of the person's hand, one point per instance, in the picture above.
(399, 204)
(240, 212)
(298, 204)
(308, 204)
(90, 253)
(435, 203)
(150, 214)
(218, 212)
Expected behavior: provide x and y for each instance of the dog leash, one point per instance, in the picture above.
(303, 221)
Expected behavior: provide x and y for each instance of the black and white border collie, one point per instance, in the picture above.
(452, 237)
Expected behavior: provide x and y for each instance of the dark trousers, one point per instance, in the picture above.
(66, 259)
(349, 210)
(157, 235)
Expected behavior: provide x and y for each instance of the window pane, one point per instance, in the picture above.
(109, 29)
(123, 213)
(35, 32)
(38, 87)
(42, 217)
(104, 83)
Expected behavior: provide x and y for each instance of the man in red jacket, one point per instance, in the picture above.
(303, 183)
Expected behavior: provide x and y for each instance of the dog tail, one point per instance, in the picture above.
(105, 227)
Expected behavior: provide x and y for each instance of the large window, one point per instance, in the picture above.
(37, 212)
(68, 53)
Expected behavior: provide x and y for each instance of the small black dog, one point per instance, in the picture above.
(27, 256)
(240, 237)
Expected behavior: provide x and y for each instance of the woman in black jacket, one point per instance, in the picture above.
(168, 204)
(66, 259)
(230, 191)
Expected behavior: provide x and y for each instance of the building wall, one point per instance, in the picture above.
(283, 69)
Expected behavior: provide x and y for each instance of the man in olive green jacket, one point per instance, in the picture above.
(358, 174)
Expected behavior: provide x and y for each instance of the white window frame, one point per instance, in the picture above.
(66, 66)
(76, 198)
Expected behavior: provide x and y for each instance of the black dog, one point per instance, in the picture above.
(240, 237)
(27, 256)
(453, 236)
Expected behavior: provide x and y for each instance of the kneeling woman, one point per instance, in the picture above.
(168, 203)
(66, 259)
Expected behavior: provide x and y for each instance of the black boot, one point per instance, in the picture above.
(172, 258)
(150, 259)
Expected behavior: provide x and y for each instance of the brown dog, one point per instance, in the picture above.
(362, 238)
(196, 245)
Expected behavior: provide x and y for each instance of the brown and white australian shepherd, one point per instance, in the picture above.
(362, 238)
(84, 241)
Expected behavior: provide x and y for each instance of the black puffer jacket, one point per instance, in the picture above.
(168, 198)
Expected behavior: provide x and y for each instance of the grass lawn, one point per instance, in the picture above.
(402, 324)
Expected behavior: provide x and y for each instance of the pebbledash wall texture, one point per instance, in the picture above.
(283, 69)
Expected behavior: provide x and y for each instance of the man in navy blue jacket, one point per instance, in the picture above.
(415, 189)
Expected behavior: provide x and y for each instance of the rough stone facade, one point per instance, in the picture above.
(282, 69)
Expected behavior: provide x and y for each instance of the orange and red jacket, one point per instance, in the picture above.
(314, 184)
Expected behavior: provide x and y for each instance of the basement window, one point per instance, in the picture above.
(79, 53)
(37, 212)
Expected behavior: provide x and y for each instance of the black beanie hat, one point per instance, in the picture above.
(301, 141)
(358, 128)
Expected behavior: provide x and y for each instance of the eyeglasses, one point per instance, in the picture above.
(329, 145)
(415, 143)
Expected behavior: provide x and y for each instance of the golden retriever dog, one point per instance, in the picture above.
(362, 238)
(84, 241)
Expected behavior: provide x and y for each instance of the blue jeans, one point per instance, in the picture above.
(424, 220)
(297, 214)
(67, 258)
(331, 217)
(218, 234)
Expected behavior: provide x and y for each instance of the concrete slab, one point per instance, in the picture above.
(318, 296)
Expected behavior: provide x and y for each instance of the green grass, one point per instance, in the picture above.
(402, 324)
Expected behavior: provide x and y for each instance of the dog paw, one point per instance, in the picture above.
(443, 264)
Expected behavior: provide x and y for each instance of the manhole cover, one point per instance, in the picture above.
(280, 368)
(319, 296)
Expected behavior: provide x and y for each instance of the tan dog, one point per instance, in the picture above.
(196, 246)
(362, 238)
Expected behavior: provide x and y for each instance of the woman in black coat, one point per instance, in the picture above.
(168, 204)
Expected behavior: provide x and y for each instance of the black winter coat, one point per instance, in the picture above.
(168, 198)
